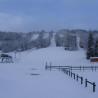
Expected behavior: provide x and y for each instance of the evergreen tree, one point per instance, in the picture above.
(90, 48)
(96, 49)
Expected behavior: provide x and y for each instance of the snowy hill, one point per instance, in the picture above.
(27, 78)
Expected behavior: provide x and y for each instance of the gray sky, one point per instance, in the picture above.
(29, 15)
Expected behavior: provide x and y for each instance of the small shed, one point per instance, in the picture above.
(94, 59)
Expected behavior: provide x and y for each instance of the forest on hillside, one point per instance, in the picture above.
(15, 41)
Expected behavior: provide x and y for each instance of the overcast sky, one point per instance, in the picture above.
(29, 15)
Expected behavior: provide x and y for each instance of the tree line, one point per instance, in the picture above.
(13, 41)
(92, 47)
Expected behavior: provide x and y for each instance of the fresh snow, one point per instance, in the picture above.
(17, 81)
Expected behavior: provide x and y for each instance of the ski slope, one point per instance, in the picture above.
(27, 77)
(53, 44)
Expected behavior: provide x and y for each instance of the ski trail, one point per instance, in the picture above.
(53, 44)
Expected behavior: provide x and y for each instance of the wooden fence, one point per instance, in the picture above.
(68, 70)
(81, 68)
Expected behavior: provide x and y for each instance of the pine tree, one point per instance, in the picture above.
(96, 49)
(90, 48)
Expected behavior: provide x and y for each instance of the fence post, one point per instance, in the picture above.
(46, 66)
(74, 75)
(71, 68)
(85, 82)
(71, 74)
(77, 77)
(94, 85)
(81, 80)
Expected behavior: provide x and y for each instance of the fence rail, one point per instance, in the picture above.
(81, 68)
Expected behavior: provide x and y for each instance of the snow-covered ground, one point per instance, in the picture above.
(27, 77)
